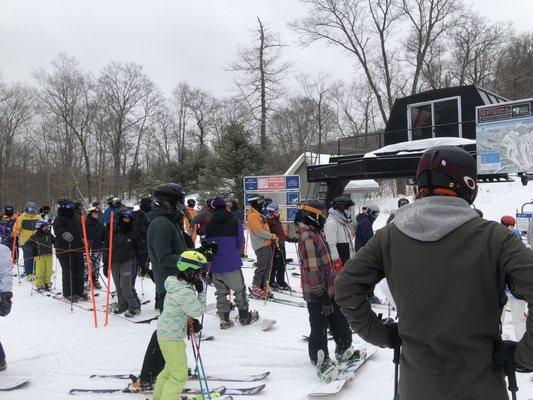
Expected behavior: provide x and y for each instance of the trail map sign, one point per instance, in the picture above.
(282, 189)
(504, 137)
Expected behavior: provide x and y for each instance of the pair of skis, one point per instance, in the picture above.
(222, 390)
(272, 299)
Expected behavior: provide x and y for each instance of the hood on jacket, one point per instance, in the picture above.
(221, 216)
(339, 215)
(431, 218)
(158, 211)
(65, 212)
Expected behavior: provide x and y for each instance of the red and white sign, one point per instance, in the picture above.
(271, 183)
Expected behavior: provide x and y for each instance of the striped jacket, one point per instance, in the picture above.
(317, 272)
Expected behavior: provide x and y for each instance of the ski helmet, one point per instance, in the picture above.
(448, 167)
(126, 214)
(189, 262)
(170, 193)
(208, 201)
(93, 209)
(31, 207)
(9, 210)
(66, 203)
(256, 201)
(402, 202)
(371, 209)
(218, 204)
(508, 220)
(342, 203)
(312, 213)
(272, 207)
(191, 203)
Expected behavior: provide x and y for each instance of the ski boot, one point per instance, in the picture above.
(225, 321)
(326, 370)
(132, 313)
(119, 309)
(3, 365)
(260, 293)
(97, 284)
(136, 386)
(247, 317)
(284, 286)
(73, 298)
(274, 286)
(47, 287)
(39, 289)
(350, 356)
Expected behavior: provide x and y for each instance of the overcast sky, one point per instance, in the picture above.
(175, 40)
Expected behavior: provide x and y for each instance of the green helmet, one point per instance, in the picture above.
(191, 261)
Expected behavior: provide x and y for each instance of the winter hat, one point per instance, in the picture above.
(272, 207)
(191, 203)
(402, 202)
(218, 204)
(146, 204)
(508, 220)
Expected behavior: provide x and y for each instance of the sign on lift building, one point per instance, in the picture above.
(504, 137)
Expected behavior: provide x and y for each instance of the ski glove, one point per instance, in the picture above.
(5, 303)
(195, 326)
(504, 357)
(67, 236)
(199, 285)
(327, 305)
(337, 264)
(395, 341)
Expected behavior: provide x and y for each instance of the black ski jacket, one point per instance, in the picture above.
(67, 221)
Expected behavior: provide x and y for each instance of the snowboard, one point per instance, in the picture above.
(347, 374)
(265, 324)
(12, 382)
(327, 389)
(222, 378)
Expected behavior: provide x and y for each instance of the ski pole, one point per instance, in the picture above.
(511, 378)
(70, 274)
(199, 364)
(284, 261)
(270, 265)
(396, 361)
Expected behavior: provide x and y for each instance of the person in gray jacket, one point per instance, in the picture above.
(447, 269)
(6, 292)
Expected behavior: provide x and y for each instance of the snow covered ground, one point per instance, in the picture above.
(59, 349)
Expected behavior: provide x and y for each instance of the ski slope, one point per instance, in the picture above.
(59, 349)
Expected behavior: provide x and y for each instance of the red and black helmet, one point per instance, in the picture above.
(448, 167)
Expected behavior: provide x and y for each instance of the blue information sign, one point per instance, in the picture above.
(291, 213)
(293, 197)
(250, 183)
(292, 182)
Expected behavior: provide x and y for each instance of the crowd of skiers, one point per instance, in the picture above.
(450, 274)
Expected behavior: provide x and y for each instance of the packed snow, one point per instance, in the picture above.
(59, 349)
(419, 146)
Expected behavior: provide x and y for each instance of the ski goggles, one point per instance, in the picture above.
(127, 214)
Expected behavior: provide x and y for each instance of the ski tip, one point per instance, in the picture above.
(260, 377)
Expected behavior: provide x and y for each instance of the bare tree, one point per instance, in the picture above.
(201, 106)
(69, 94)
(429, 21)
(513, 71)
(127, 98)
(16, 108)
(261, 73)
(321, 90)
(361, 29)
(180, 99)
